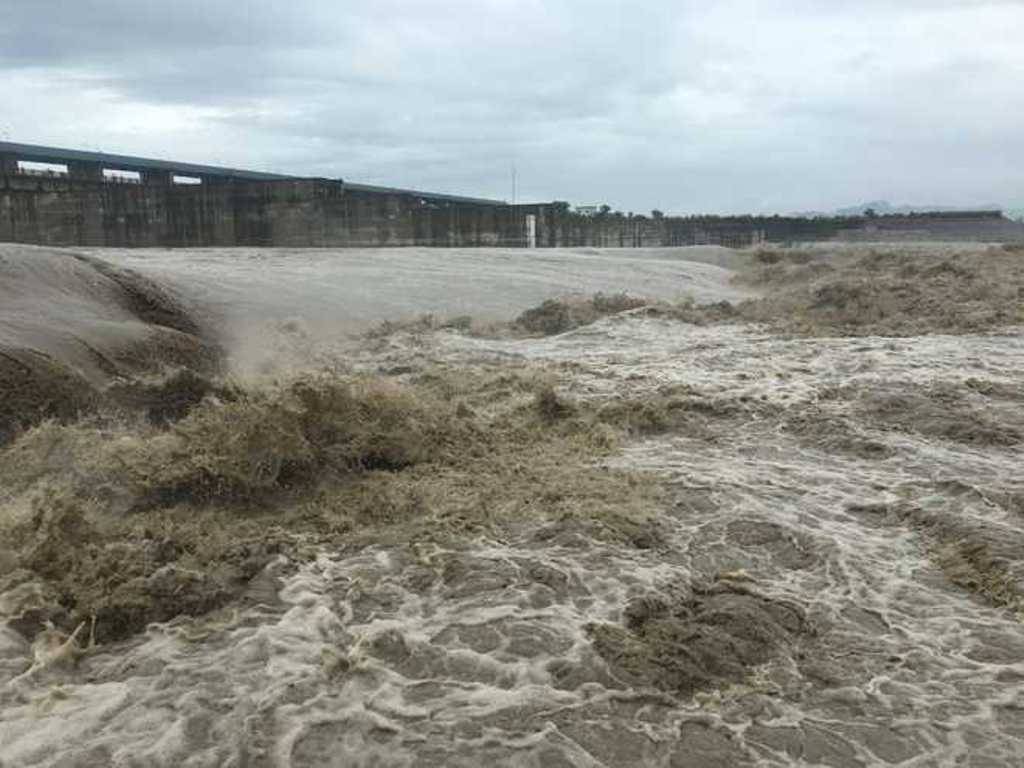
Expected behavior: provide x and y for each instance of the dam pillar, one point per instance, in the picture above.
(8, 165)
(157, 178)
(531, 230)
(85, 171)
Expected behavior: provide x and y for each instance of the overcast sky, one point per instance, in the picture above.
(711, 106)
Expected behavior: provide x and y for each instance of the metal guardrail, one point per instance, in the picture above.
(39, 172)
(48, 174)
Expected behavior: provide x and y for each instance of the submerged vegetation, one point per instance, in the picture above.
(603, 532)
(160, 495)
(811, 291)
(549, 318)
(136, 519)
(885, 292)
(166, 494)
(560, 315)
(34, 387)
(708, 637)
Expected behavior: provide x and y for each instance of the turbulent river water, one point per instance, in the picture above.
(483, 653)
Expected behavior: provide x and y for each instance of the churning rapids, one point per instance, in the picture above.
(830, 575)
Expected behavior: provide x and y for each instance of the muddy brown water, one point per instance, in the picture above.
(484, 652)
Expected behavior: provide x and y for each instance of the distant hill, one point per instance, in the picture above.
(884, 207)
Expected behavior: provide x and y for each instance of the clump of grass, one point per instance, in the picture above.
(972, 565)
(650, 416)
(977, 412)
(675, 409)
(421, 324)
(784, 256)
(551, 406)
(885, 292)
(257, 444)
(120, 575)
(978, 552)
(268, 441)
(168, 398)
(133, 523)
(556, 316)
(35, 387)
(712, 636)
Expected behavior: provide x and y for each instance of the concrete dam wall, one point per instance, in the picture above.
(114, 200)
(64, 211)
(68, 210)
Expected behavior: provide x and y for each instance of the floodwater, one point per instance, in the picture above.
(351, 288)
(796, 490)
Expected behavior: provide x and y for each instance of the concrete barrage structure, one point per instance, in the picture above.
(54, 196)
(115, 200)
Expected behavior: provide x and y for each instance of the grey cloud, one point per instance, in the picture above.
(679, 105)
